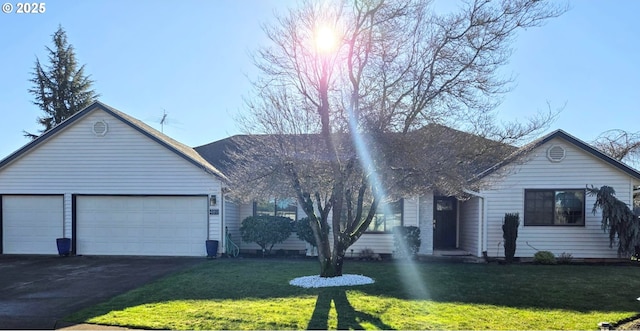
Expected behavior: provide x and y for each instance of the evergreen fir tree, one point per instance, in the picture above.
(61, 89)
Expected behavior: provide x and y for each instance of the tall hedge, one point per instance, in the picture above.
(510, 234)
(265, 231)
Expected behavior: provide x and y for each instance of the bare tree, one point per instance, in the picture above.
(355, 101)
(620, 145)
(623, 146)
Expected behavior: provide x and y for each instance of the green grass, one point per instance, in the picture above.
(255, 294)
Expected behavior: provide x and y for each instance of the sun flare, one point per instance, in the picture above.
(326, 39)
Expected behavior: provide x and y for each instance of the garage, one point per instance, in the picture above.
(31, 223)
(141, 225)
(111, 184)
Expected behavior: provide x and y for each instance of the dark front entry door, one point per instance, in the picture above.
(444, 222)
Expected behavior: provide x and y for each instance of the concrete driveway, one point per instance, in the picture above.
(36, 292)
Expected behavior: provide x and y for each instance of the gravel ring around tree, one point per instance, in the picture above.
(344, 280)
(630, 325)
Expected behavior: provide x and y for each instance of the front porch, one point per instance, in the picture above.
(451, 227)
(451, 252)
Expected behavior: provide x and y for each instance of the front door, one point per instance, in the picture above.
(444, 222)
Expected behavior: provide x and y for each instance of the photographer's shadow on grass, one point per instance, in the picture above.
(348, 317)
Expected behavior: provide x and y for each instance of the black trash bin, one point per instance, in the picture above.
(212, 248)
(64, 246)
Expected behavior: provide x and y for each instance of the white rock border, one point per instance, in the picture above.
(344, 280)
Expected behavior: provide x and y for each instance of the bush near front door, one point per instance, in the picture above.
(266, 231)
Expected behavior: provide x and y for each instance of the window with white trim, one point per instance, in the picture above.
(387, 216)
(554, 207)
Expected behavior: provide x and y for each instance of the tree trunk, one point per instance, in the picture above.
(324, 256)
(327, 268)
(338, 262)
(331, 263)
(332, 266)
(330, 259)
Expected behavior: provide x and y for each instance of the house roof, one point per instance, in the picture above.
(571, 139)
(216, 152)
(432, 139)
(180, 149)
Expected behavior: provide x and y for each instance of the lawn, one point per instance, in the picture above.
(255, 294)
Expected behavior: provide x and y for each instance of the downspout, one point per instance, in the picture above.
(418, 211)
(457, 224)
(482, 228)
(485, 226)
(223, 236)
(418, 218)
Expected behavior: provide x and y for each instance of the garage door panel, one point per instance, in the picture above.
(143, 225)
(31, 224)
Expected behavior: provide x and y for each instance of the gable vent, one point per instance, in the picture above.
(556, 153)
(100, 128)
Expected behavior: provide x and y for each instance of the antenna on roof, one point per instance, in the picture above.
(163, 119)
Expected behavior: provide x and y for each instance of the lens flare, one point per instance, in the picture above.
(410, 275)
(407, 269)
(326, 39)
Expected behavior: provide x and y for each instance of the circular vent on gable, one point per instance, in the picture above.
(100, 128)
(556, 153)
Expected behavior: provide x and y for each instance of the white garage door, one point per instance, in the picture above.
(31, 224)
(141, 225)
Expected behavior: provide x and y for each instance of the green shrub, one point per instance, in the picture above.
(369, 254)
(510, 234)
(565, 258)
(265, 231)
(406, 240)
(304, 232)
(544, 257)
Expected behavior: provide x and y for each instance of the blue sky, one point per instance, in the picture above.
(191, 59)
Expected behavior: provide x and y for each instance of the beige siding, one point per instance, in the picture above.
(215, 223)
(123, 162)
(245, 210)
(576, 171)
(232, 220)
(67, 215)
(381, 243)
(469, 221)
(410, 212)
